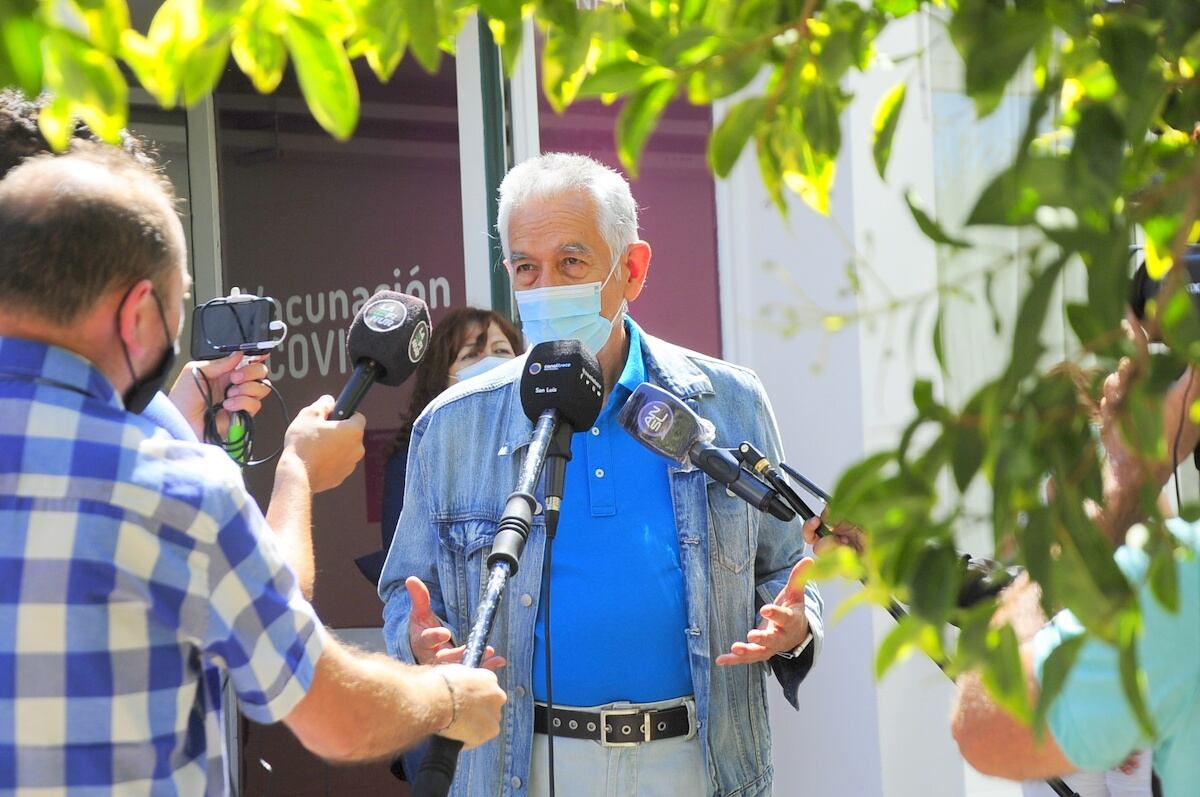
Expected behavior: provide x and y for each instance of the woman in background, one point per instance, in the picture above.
(468, 342)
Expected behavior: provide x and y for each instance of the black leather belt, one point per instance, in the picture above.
(616, 727)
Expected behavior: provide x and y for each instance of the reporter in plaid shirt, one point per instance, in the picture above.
(131, 562)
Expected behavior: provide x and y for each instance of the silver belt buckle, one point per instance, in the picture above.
(622, 712)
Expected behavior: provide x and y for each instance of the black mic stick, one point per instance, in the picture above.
(437, 767)
(753, 458)
(366, 371)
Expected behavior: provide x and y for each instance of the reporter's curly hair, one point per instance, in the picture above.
(20, 137)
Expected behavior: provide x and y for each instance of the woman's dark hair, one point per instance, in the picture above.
(433, 374)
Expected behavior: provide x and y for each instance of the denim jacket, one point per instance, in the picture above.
(465, 453)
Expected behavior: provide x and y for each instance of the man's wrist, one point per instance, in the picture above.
(797, 651)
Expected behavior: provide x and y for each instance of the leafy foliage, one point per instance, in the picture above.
(1086, 175)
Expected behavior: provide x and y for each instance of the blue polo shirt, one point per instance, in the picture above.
(619, 615)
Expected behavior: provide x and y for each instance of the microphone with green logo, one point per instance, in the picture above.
(387, 340)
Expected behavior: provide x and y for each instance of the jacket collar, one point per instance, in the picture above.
(667, 366)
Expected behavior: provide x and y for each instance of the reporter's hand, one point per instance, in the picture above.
(429, 640)
(842, 533)
(477, 700)
(330, 450)
(238, 389)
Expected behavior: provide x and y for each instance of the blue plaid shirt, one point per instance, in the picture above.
(132, 567)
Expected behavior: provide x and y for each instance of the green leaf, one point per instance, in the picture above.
(423, 34)
(935, 583)
(57, 123)
(730, 137)
(621, 77)
(993, 41)
(1027, 345)
(90, 81)
(1129, 49)
(1133, 680)
(1005, 675)
(380, 36)
(1164, 579)
(770, 169)
(969, 450)
(20, 50)
(932, 230)
(566, 60)
(1016, 193)
(887, 116)
(923, 399)
(261, 55)
(203, 69)
(726, 72)
(326, 77)
(897, 645)
(1054, 675)
(638, 118)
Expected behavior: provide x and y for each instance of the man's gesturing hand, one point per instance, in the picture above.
(429, 639)
(477, 699)
(783, 628)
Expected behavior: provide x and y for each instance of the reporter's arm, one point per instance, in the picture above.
(289, 515)
(362, 706)
(318, 455)
(991, 739)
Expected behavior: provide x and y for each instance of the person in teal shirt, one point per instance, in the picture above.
(1091, 726)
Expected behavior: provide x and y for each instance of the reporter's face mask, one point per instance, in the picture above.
(566, 312)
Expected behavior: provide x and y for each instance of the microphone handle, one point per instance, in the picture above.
(366, 371)
(437, 768)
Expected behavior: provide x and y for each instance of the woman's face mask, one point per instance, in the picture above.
(496, 350)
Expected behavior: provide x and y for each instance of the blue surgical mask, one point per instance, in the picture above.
(478, 367)
(566, 312)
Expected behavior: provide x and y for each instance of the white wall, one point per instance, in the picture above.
(837, 397)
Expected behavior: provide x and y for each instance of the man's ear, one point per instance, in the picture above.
(135, 312)
(637, 261)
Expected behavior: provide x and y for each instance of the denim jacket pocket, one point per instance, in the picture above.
(465, 544)
(731, 529)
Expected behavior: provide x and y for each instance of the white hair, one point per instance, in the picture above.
(557, 173)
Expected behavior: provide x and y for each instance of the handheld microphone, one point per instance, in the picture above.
(561, 390)
(387, 340)
(664, 424)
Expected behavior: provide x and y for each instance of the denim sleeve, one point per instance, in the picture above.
(780, 545)
(1091, 720)
(414, 552)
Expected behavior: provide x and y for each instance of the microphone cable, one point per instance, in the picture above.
(241, 447)
(558, 456)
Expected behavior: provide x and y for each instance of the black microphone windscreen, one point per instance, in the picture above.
(393, 330)
(562, 375)
(663, 423)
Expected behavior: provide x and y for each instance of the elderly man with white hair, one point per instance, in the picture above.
(671, 597)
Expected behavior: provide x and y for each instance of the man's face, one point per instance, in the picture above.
(557, 241)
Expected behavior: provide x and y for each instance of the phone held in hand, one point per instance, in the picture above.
(238, 322)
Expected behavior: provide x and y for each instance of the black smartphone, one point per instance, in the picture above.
(231, 324)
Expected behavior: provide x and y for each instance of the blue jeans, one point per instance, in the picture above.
(583, 768)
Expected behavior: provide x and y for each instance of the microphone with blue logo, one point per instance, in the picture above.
(664, 424)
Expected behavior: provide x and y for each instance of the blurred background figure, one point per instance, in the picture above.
(468, 342)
